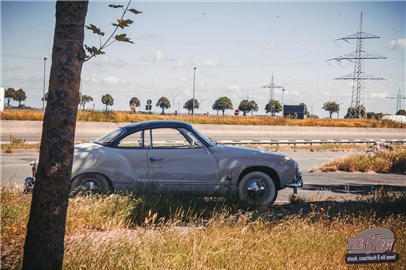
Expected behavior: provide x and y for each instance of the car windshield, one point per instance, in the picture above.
(105, 139)
(204, 138)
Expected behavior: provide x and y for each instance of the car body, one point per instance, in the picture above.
(172, 156)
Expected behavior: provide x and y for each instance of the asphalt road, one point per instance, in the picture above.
(15, 167)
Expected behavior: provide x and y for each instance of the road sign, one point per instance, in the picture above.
(237, 112)
(149, 102)
(132, 106)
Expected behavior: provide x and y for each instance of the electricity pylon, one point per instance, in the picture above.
(359, 75)
(271, 87)
(399, 98)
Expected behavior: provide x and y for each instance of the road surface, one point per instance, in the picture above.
(30, 131)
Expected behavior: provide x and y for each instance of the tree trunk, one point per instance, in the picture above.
(44, 243)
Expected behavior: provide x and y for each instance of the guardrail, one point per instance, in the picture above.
(309, 142)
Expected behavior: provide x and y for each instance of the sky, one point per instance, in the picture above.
(236, 48)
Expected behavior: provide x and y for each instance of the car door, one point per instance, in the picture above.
(180, 162)
(134, 150)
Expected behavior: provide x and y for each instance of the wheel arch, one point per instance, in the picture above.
(269, 171)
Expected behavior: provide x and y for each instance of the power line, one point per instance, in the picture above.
(359, 74)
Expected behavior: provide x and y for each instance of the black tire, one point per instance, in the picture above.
(90, 182)
(257, 189)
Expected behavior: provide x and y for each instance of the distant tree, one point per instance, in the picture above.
(188, 105)
(401, 112)
(273, 107)
(20, 96)
(10, 94)
(313, 116)
(254, 106)
(248, 106)
(222, 104)
(306, 112)
(107, 100)
(331, 107)
(163, 103)
(354, 112)
(85, 99)
(136, 101)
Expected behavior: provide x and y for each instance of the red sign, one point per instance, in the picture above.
(132, 106)
(237, 112)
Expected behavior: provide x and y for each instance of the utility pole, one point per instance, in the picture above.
(359, 75)
(271, 88)
(399, 98)
(194, 86)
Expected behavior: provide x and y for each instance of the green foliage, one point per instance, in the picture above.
(222, 104)
(108, 100)
(10, 94)
(136, 101)
(163, 103)
(20, 96)
(354, 112)
(120, 23)
(85, 99)
(401, 112)
(274, 106)
(331, 107)
(306, 112)
(189, 103)
(248, 106)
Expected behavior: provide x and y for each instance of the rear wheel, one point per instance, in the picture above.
(90, 182)
(257, 189)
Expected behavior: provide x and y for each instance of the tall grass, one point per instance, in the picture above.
(117, 116)
(128, 231)
(380, 162)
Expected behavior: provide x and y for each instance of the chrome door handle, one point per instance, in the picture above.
(152, 159)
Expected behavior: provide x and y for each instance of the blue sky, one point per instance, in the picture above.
(235, 46)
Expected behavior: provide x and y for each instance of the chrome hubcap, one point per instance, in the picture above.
(256, 189)
(89, 185)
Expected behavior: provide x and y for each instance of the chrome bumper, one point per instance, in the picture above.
(297, 182)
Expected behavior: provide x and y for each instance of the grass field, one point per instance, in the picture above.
(127, 231)
(112, 116)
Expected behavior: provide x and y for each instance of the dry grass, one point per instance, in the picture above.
(380, 162)
(133, 232)
(113, 116)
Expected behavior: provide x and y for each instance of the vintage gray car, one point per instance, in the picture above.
(172, 156)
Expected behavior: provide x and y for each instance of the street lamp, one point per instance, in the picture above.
(43, 89)
(194, 86)
(283, 105)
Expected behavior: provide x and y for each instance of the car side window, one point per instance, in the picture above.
(139, 139)
(172, 138)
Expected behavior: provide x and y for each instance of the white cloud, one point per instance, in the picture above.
(269, 45)
(398, 43)
(158, 57)
(179, 64)
(234, 88)
(111, 80)
(208, 63)
(378, 95)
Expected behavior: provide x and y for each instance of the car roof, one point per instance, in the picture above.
(155, 124)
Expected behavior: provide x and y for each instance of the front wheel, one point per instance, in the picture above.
(90, 182)
(257, 189)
